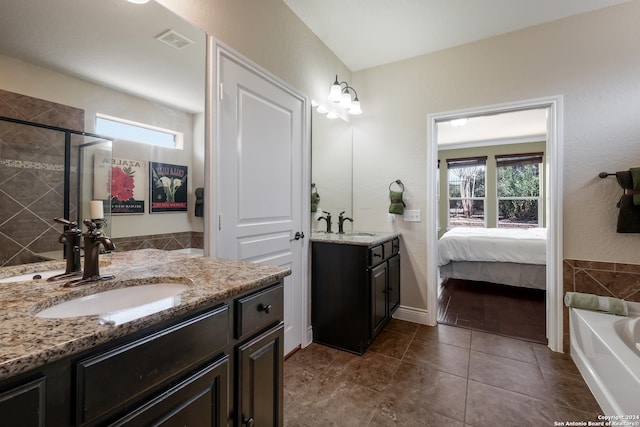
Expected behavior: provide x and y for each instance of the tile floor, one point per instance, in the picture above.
(416, 375)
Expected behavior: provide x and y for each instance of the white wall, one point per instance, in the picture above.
(593, 60)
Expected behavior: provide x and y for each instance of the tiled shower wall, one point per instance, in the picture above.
(32, 176)
(599, 278)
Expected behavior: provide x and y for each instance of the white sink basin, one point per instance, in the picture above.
(120, 305)
(42, 275)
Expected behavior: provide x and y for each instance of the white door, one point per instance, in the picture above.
(261, 132)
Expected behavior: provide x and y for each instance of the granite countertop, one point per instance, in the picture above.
(362, 238)
(27, 342)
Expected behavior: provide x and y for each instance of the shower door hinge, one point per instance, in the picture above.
(219, 222)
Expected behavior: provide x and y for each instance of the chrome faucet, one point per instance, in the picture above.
(71, 239)
(328, 221)
(93, 239)
(341, 220)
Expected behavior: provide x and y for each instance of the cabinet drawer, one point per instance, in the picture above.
(395, 246)
(391, 248)
(259, 310)
(199, 400)
(113, 380)
(23, 405)
(376, 255)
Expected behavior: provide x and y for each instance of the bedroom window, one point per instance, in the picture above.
(519, 190)
(466, 179)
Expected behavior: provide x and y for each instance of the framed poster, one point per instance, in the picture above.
(168, 188)
(122, 184)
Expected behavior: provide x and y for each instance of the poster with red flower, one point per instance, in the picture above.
(124, 187)
(128, 186)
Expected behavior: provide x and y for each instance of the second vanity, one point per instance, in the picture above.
(355, 287)
(214, 357)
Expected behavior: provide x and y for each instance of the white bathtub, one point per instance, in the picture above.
(603, 346)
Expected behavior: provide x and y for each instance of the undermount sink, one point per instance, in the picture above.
(359, 234)
(41, 275)
(120, 305)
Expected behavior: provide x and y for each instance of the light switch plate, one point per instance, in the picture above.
(412, 215)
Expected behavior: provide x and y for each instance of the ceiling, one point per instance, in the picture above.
(112, 43)
(368, 33)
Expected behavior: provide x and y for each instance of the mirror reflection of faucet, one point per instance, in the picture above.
(327, 218)
(341, 220)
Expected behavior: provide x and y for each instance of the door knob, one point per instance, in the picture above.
(299, 235)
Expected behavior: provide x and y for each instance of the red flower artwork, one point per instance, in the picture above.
(122, 184)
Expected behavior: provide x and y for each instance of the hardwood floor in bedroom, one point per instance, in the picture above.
(505, 310)
(417, 375)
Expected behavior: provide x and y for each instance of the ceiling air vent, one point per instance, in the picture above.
(174, 39)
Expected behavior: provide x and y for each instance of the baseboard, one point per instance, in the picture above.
(308, 339)
(411, 314)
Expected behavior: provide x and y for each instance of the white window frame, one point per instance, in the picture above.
(483, 199)
(538, 198)
(178, 137)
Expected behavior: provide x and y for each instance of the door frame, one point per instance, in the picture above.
(215, 51)
(553, 208)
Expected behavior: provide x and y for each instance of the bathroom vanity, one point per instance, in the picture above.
(355, 287)
(213, 358)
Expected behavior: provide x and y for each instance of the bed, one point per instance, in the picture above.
(509, 256)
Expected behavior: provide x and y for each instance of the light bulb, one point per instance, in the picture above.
(355, 108)
(335, 94)
(345, 100)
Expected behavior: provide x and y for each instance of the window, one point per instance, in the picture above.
(137, 132)
(519, 190)
(466, 182)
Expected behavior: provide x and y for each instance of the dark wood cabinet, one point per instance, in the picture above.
(23, 405)
(354, 291)
(200, 400)
(378, 298)
(259, 379)
(218, 366)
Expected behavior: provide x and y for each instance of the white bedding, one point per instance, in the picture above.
(517, 245)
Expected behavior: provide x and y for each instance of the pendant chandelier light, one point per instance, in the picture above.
(340, 93)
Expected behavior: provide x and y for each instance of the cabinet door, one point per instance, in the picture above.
(259, 381)
(200, 400)
(23, 405)
(378, 298)
(394, 284)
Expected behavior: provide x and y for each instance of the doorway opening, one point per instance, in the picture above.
(486, 208)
